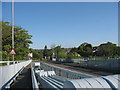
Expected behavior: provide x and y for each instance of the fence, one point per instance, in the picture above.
(9, 71)
(62, 72)
(109, 65)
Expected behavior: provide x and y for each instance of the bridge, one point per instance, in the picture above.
(38, 75)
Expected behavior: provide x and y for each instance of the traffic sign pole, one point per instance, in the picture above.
(13, 32)
(13, 26)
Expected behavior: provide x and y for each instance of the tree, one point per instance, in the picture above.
(73, 53)
(107, 49)
(37, 55)
(62, 53)
(58, 51)
(74, 50)
(95, 48)
(85, 50)
(118, 51)
(45, 52)
(22, 41)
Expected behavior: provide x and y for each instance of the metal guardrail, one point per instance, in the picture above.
(62, 72)
(46, 79)
(49, 82)
(8, 73)
(8, 61)
(34, 81)
(4, 63)
(7, 85)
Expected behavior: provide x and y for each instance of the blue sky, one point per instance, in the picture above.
(67, 24)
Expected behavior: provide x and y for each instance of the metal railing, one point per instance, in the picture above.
(34, 81)
(62, 72)
(9, 72)
(7, 85)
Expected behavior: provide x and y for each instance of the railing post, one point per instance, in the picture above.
(14, 62)
(8, 63)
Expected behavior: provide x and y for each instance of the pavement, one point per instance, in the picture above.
(23, 80)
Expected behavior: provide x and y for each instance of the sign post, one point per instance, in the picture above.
(13, 51)
(13, 27)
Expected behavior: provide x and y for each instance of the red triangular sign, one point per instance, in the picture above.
(12, 52)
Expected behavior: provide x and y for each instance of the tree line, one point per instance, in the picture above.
(85, 50)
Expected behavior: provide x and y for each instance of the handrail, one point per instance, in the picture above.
(34, 81)
(13, 61)
(7, 85)
(8, 73)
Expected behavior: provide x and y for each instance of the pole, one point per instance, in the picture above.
(13, 26)
(13, 32)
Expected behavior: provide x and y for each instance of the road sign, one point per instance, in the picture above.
(12, 52)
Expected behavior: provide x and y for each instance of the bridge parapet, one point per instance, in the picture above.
(9, 72)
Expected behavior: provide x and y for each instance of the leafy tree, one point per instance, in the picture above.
(107, 49)
(62, 53)
(70, 55)
(74, 50)
(50, 52)
(22, 41)
(118, 51)
(85, 50)
(36, 55)
(45, 52)
(95, 50)
(59, 52)
(73, 53)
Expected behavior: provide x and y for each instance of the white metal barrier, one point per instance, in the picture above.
(34, 81)
(9, 71)
(109, 82)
